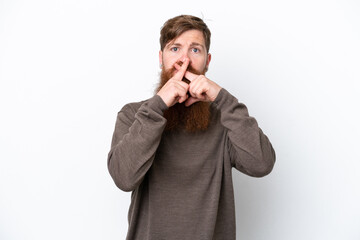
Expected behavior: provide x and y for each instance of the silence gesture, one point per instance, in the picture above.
(200, 88)
(175, 90)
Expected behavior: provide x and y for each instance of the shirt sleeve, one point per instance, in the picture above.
(135, 139)
(249, 148)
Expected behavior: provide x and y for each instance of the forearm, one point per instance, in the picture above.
(250, 150)
(135, 140)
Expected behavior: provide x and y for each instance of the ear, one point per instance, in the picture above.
(160, 58)
(208, 60)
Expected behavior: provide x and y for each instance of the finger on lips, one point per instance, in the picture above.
(181, 68)
(177, 66)
(185, 64)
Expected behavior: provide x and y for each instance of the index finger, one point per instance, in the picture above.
(180, 73)
(190, 76)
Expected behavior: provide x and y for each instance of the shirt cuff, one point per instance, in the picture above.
(157, 104)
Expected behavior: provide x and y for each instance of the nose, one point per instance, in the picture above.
(184, 57)
(185, 53)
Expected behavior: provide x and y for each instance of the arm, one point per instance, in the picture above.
(136, 137)
(250, 150)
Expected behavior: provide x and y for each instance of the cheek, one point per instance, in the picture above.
(168, 62)
(199, 64)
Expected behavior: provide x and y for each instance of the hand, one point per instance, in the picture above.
(201, 89)
(175, 90)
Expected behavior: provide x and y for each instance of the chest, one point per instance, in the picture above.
(184, 154)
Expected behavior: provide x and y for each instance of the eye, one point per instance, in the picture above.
(174, 49)
(195, 50)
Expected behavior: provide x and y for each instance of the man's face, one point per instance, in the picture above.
(191, 45)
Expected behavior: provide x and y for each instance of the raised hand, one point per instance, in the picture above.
(175, 90)
(201, 88)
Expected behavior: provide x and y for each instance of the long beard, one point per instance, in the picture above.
(194, 118)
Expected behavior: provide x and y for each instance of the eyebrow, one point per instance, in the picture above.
(193, 44)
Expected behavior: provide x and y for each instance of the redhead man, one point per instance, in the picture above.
(175, 151)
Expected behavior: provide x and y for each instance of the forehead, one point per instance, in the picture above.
(190, 36)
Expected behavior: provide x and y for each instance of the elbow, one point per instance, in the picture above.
(263, 170)
(123, 181)
(121, 176)
(265, 166)
(259, 166)
(125, 186)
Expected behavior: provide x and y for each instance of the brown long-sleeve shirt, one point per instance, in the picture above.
(181, 182)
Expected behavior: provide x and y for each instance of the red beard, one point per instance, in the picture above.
(194, 118)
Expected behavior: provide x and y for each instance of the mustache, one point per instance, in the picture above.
(190, 68)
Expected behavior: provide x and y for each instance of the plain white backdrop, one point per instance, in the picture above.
(67, 67)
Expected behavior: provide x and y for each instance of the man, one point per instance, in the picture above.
(175, 151)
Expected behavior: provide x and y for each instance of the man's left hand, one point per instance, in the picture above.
(201, 89)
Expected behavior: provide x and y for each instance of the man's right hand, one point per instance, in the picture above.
(175, 90)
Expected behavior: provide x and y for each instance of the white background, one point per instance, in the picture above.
(67, 67)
